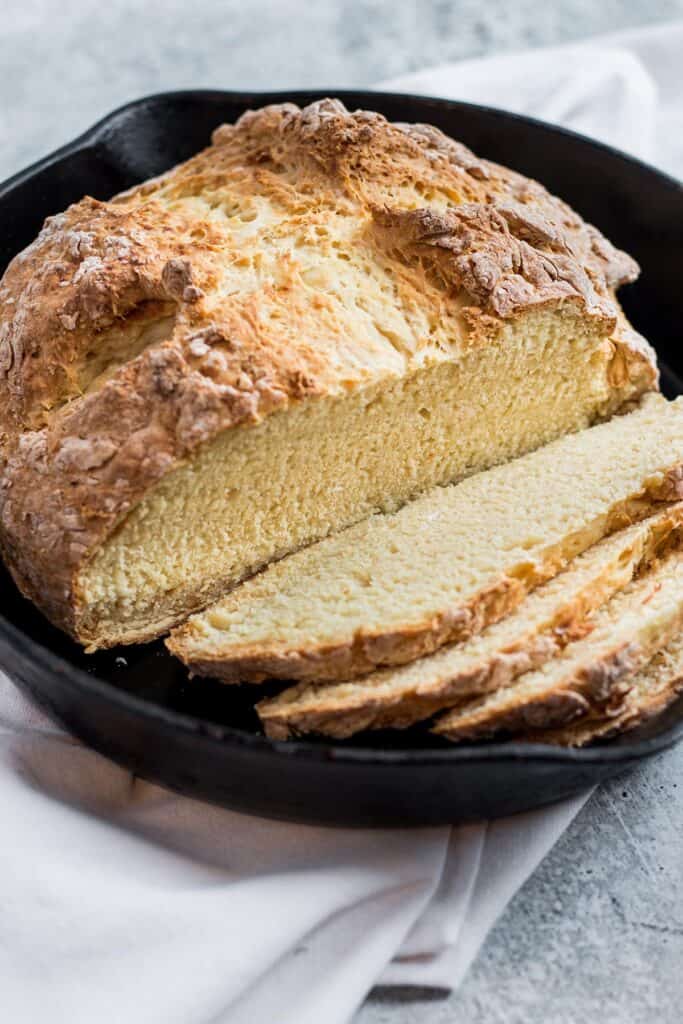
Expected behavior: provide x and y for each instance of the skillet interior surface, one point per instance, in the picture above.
(136, 704)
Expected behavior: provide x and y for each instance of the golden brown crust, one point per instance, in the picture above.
(79, 448)
(602, 680)
(377, 711)
(600, 723)
(649, 693)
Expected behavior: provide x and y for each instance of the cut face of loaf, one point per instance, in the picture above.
(399, 586)
(626, 633)
(549, 618)
(650, 691)
(315, 319)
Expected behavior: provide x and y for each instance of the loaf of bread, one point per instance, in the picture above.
(398, 586)
(551, 617)
(649, 693)
(317, 318)
(624, 636)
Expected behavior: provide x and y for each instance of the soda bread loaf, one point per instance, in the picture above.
(650, 692)
(624, 636)
(552, 616)
(317, 318)
(398, 586)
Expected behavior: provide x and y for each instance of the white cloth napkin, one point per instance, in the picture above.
(121, 901)
(625, 89)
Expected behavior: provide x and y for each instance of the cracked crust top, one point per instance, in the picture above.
(133, 331)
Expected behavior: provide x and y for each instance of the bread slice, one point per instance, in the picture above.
(650, 692)
(396, 587)
(318, 317)
(548, 619)
(625, 635)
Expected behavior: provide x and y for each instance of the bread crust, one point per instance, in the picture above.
(600, 682)
(603, 682)
(597, 724)
(77, 455)
(649, 693)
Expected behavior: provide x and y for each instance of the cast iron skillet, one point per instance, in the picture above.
(135, 704)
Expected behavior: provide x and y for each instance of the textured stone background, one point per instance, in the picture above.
(64, 63)
(597, 933)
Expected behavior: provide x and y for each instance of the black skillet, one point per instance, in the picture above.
(135, 704)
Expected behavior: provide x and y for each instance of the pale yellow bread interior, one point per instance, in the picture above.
(255, 493)
(552, 616)
(398, 586)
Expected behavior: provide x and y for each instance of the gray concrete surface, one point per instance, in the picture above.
(597, 933)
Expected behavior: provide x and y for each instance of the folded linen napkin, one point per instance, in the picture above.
(625, 89)
(122, 901)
